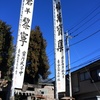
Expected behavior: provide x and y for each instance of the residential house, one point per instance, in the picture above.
(86, 82)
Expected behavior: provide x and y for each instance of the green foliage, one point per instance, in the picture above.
(6, 49)
(37, 60)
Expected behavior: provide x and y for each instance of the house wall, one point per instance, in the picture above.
(85, 88)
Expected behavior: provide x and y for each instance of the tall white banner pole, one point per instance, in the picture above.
(25, 22)
(60, 65)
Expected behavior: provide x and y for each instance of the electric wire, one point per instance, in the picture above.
(85, 38)
(51, 52)
(97, 50)
(94, 59)
(82, 65)
(84, 18)
(86, 28)
(85, 63)
(84, 23)
(86, 55)
(81, 25)
(81, 41)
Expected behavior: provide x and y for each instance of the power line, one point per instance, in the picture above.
(98, 50)
(82, 30)
(83, 64)
(81, 41)
(51, 52)
(52, 64)
(85, 23)
(86, 28)
(86, 63)
(85, 38)
(84, 18)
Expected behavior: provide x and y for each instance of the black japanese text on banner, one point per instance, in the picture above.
(22, 42)
(60, 66)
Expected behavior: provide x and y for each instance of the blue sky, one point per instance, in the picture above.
(81, 18)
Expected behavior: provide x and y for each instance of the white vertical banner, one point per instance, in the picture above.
(60, 65)
(22, 42)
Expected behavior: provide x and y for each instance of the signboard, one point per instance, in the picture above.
(60, 66)
(22, 42)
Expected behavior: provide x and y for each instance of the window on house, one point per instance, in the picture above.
(84, 76)
(95, 74)
(81, 76)
(87, 75)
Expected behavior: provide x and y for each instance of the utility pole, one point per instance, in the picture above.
(69, 73)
